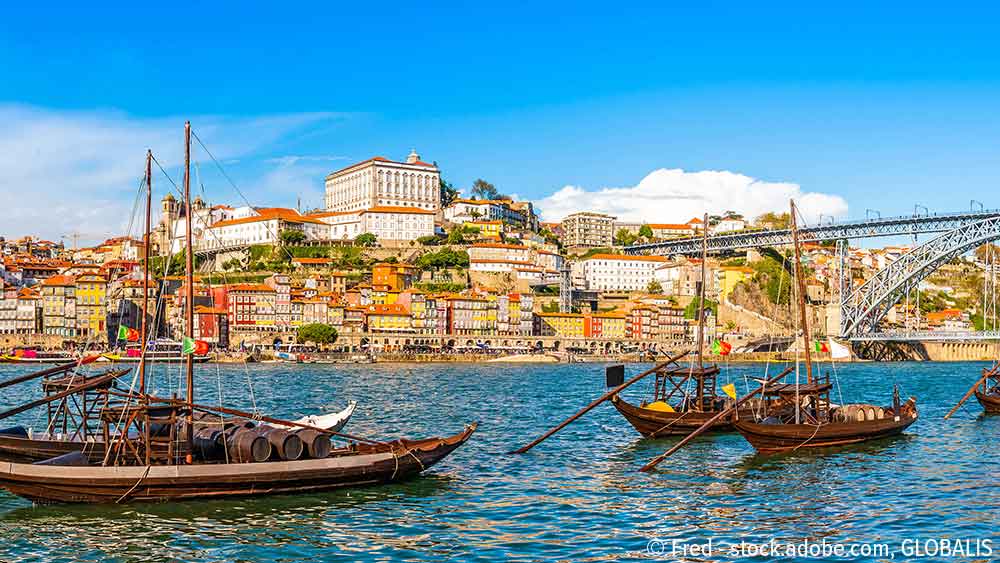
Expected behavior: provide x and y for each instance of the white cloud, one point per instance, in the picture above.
(65, 171)
(674, 196)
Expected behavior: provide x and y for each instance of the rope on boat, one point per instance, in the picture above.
(808, 439)
(134, 487)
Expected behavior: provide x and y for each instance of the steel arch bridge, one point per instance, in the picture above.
(879, 227)
(865, 307)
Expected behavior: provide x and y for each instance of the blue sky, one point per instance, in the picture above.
(880, 106)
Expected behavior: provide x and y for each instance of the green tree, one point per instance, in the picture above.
(444, 258)
(646, 232)
(291, 237)
(316, 333)
(654, 287)
(624, 237)
(550, 237)
(429, 240)
(775, 220)
(366, 240)
(484, 190)
(448, 193)
(691, 311)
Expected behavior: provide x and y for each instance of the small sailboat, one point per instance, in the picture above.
(986, 391)
(801, 416)
(684, 398)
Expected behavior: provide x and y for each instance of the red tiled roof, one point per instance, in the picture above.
(249, 287)
(269, 214)
(60, 281)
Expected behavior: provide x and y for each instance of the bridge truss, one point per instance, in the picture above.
(878, 227)
(865, 307)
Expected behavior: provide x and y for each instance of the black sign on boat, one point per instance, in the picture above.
(614, 375)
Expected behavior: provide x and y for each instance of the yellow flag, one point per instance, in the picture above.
(729, 390)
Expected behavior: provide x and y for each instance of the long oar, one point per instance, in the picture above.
(986, 375)
(649, 466)
(87, 386)
(47, 371)
(598, 401)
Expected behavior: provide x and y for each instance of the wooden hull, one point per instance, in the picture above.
(991, 403)
(777, 438)
(360, 465)
(657, 424)
(19, 449)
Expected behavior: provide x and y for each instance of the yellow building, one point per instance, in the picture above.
(566, 325)
(728, 277)
(91, 305)
(388, 318)
(604, 325)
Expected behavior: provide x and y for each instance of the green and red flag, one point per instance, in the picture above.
(126, 333)
(821, 346)
(196, 347)
(721, 348)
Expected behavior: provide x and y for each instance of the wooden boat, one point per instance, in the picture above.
(820, 425)
(800, 416)
(989, 401)
(684, 398)
(658, 421)
(353, 466)
(159, 449)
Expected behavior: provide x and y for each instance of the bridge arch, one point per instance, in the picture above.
(870, 303)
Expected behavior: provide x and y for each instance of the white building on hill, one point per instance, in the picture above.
(618, 272)
(379, 182)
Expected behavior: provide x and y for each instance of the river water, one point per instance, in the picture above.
(576, 497)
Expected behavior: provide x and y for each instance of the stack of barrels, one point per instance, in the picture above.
(243, 441)
(858, 413)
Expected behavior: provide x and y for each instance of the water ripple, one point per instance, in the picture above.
(576, 497)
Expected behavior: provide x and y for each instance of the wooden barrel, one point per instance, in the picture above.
(247, 445)
(317, 443)
(286, 445)
(208, 442)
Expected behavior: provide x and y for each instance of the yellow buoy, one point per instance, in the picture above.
(659, 406)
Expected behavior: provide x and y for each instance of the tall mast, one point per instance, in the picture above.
(701, 292)
(145, 275)
(801, 286)
(189, 283)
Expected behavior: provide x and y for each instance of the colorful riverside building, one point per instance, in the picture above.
(250, 306)
(59, 305)
(426, 316)
(20, 311)
(91, 305)
(388, 318)
(514, 314)
(472, 316)
(581, 325)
